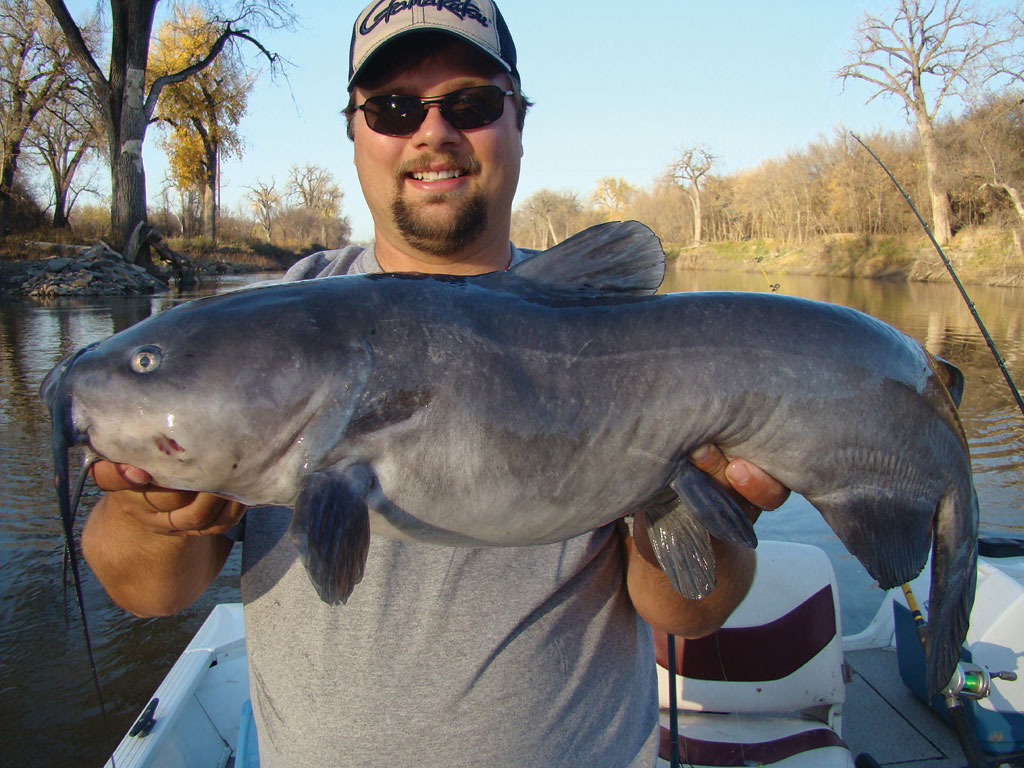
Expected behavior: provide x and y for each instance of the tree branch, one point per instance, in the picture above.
(79, 48)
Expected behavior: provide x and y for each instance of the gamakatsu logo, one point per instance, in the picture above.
(384, 10)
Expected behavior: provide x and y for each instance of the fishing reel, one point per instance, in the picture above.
(973, 682)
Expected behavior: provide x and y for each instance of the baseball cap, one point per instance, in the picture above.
(478, 22)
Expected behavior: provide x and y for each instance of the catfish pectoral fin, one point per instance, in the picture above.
(683, 549)
(712, 505)
(331, 528)
(681, 528)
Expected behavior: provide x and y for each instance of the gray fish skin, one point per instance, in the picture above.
(533, 405)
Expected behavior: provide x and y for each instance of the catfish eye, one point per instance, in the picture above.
(146, 359)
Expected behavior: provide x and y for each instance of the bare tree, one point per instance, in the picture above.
(922, 56)
(991, 135)
(266, 201)
(65, 135)
(312, 187)
(689, 169)
(547, 217)
(126, 106)
(34, 66)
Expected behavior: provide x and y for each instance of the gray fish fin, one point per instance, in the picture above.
(331, 529)
(607, 259)
(680, 530)
(954, 578)
(953, 378)
(713, 507)
(683, 549)
(892, 554)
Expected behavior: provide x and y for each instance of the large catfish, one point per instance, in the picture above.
(532, 405)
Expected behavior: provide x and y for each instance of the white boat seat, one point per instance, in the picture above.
(767, 688)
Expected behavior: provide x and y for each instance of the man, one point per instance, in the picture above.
(529, 656)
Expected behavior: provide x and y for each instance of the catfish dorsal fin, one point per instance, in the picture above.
(619, 257)
(952, 377)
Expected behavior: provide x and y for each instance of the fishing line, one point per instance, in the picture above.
(673, 704)
(675, 756)
(952, 272)
(773, 287)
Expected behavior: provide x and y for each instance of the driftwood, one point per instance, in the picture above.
(182, 269)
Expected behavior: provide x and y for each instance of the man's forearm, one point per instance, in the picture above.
(662, 607)
(147, 573)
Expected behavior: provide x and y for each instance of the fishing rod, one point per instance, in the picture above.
(956, 279)
(968, 681)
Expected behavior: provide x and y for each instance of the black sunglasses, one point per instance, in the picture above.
(464, 109)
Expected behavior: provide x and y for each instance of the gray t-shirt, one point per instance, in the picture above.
(447, 657)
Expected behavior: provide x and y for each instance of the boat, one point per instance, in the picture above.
(864, 692)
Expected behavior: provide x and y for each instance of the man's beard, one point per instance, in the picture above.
(441, 236)
(436, 233)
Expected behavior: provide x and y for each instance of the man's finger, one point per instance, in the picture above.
(110, 476)
(747, 479)
(755, 485)
(709, 459)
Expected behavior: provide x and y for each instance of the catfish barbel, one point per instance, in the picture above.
(532, 405)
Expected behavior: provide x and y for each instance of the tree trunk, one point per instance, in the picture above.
(210, 194)
(695, 201)
(132, 28)
(1014, 195)
(60, 202)
(9, 166)
(209, 228)
(128, 178)
(942, 211)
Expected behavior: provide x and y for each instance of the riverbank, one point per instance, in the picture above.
(55, 270)
(979, 256)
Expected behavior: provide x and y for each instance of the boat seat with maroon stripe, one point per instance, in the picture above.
(767, 688)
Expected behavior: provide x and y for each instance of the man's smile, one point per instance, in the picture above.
(436, 175)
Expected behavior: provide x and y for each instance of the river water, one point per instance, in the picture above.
(49, 714)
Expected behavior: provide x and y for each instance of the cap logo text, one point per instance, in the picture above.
(385, 9)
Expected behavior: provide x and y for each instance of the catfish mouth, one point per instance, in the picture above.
(57, 398)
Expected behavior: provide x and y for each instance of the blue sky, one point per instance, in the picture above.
(618, 87)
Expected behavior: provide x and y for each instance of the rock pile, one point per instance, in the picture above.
(94, 271)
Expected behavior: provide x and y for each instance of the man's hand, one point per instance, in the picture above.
(131, 492)
(649, 588)
(748, 480)
(155, 550)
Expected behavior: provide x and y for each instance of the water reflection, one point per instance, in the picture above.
(936, 315)
(48, 710)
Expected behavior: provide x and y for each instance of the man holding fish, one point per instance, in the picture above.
(529, 656)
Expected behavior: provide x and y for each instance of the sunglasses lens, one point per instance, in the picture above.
(394, 115)
(464, 109)
(473, 107)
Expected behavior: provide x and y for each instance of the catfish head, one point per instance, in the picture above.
(217, 395)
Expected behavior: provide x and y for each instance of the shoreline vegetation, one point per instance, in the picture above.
(980, 256)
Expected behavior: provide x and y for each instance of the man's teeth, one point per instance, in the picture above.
(436, 175)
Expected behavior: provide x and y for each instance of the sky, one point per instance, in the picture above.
(618, 88)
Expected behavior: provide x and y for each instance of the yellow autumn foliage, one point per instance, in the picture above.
(201, 114)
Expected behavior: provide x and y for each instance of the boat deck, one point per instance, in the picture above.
(884, 719)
